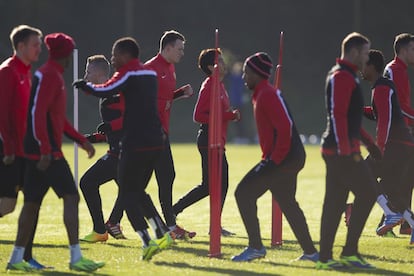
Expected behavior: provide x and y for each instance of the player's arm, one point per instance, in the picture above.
(382, 99)
(202, 107)
(402, 84)
(184, 91)
(369, 113)
(81, 140)
(7, 92)
(276, 111)
(342, 87)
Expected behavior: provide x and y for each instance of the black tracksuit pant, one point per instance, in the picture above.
(201, 191)
(104, 170)
(135, 169)
(397, 174)
(165, 175)
(281, 181)
(344, 175)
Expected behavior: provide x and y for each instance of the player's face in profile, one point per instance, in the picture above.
(248, 77)
(222, 66)
(30, 49)
(363, 56)
(176, 51)
(116, 59)
(410, 53)
(91, 73)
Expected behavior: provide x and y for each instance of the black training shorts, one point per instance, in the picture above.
(11, 177)
(58, 176)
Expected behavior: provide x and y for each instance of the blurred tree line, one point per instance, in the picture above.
(313, 33)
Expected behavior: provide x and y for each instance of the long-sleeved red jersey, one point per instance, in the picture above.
(202, 107)
(166, 87)
(15, 86)
(47, 114)
(396, 71)
(277, 132)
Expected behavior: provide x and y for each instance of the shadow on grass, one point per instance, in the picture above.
(187, 247)
(219, 271)
(387, 259)
(61, 273)
(378, 271)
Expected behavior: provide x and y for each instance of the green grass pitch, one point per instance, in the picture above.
(122, 257)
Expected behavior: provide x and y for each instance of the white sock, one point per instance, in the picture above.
(75, 253)
(17, 255)
(172, 228)
(145, 237)
(383, 202)
(409, 217)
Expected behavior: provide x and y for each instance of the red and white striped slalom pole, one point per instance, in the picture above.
(276, 212)
(215, 154)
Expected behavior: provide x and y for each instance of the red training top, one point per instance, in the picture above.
(396, 71)
(202, 107)
(275, 127)
(15, 85)
(166, 87)
(47, 114)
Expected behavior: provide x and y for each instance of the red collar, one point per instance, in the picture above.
(347, 63)
(162, 59)
(22, 67)
(133, 64)
(56, 65)
(400, 62)
(260, 87)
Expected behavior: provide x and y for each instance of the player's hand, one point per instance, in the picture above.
(87, 146)
(96, 138)
(44, 162)
(104, 128)
(237, 115)
(79, 84)
(8, 159)
(374, 152)
(188, 90)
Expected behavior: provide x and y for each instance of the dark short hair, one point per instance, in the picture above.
(169, 37)
(22, 33)
(376, 58)
(127, 45)
(206, 58)
(353, 40)
(402, 41)
(100, 61)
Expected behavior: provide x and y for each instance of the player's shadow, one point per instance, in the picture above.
(217, 270)
(62, 273)
(38, 245)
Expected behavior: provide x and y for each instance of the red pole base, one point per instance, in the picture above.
(215, 255)
(276, 224)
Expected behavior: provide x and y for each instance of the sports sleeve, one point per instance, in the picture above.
(7, 92)
(383, 104)
(402, 84)
(43, 99)
(202, 107)
(73, 134)
(342, 85)
(276, 110)
(369, 113)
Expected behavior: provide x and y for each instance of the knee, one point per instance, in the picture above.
(71, 199)
(239, 194)
(86, 184)
(7, 206)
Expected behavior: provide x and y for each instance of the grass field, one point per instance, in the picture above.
(122, 257)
